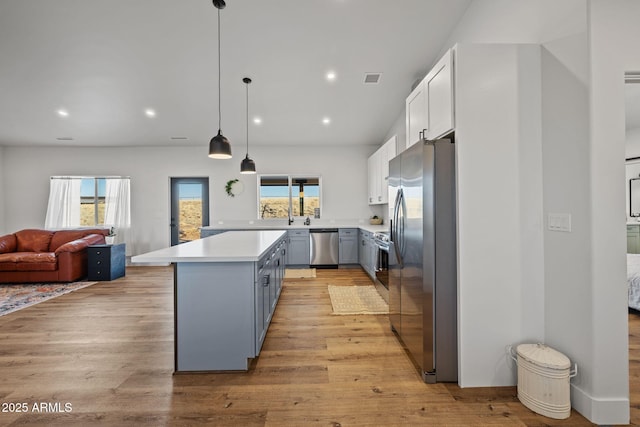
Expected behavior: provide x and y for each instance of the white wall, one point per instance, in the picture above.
(499, 182)
(568, 297)
(633, 143)
(613, 50)
(343, 171)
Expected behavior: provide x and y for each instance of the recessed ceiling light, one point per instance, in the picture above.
(63, 113)
(331, 76)
(326, 120)
(257, 120)
(149, 112)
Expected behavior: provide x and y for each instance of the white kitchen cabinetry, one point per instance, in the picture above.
(439, 83)
(429, 107)
(373, 170)
(378, 172)
(417, 116)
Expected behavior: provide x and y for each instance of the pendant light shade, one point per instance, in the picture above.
(219, 146)
(247, 166)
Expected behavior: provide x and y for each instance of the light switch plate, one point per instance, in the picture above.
(559, 222)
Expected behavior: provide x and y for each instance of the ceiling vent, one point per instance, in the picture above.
(632, 77)
(372, 78)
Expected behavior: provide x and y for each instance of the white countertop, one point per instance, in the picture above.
(295, 226)
(232, 246)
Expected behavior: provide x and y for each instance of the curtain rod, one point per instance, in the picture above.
(83, 177)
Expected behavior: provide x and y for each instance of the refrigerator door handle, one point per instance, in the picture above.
(395, 235)
(402, 208)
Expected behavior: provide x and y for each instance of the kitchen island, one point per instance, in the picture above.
(225, 291)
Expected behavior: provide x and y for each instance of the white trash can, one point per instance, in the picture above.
(543, 380)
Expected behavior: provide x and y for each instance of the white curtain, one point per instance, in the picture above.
(63, 210)
(117, 209)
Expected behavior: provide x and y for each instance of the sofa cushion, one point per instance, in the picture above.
(65, 236)
(28, 261)
(8, 243)
(37, 261)
(7, 262)
(33, 240)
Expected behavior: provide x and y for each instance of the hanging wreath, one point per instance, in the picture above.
(229, 187)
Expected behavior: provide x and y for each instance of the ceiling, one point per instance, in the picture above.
(106, 62)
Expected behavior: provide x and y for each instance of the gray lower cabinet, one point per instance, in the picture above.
(633, 238)
(298, 252)
(223, 310)
(348, 248)
(269, 274)
(367, 255)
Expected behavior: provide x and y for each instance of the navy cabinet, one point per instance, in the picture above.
(106, 262)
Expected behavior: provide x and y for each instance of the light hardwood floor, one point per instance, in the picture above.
(107, 350)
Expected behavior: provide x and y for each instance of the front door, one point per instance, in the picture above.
(189, 208)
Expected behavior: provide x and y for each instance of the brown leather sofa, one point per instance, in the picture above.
(32, 256)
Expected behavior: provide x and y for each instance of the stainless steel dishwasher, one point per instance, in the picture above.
(324, 246)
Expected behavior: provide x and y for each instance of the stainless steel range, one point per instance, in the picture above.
(381, 239)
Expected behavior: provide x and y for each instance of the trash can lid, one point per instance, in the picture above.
(543, 355)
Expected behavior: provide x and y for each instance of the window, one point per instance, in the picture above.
(92, 197)
(89, 201)
(280, 195)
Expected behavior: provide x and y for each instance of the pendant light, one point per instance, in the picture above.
(247, 166)
(219, 146)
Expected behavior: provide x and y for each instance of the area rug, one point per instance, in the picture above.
(14, 297)
(357, 300)
(299, 273)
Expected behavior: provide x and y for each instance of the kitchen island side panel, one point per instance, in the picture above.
(215, 316)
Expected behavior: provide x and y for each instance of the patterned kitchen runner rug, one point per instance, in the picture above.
(17, 296)
(299, 273)
(347, 300)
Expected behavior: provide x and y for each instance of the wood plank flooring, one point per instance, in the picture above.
(107, 350)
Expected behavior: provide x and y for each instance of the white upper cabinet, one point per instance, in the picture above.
(429, 107)
(378, 168)
(373, 168)
(417, 118)
(439, 84)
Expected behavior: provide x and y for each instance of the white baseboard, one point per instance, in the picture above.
(607, 411)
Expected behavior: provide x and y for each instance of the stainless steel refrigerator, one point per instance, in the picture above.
(422, 257)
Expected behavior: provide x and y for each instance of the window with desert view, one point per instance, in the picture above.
(284, 196)
(92, 197)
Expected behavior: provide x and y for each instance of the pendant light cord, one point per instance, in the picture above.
(247, 84)
(219, 77)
